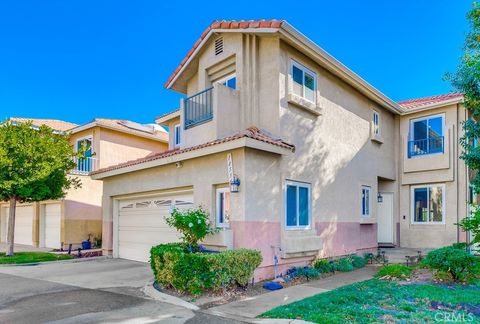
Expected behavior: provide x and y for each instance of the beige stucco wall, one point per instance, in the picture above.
(117, 147)
(446, 169)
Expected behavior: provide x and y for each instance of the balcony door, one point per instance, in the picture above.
(426, 135)
(85, 164)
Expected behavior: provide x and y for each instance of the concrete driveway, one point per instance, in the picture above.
(103, 290)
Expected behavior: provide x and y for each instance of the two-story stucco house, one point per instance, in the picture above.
(291, 153)
(77, 217)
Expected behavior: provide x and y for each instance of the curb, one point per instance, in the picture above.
(150, 291)
(256, 320)
(103, 257)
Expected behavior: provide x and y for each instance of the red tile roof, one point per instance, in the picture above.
(225, 24)
(415, 103)
(252, 132)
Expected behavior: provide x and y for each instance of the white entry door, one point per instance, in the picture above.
(52, 226)
(385, 222)
(23, 224)
(141, 224)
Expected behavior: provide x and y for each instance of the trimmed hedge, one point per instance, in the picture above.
(461, 265)
(174, 267)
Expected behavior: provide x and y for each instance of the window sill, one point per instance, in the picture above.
(377, 139)
(304, 104)
(367, 220)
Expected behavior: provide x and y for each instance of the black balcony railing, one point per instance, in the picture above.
(426, 146)
(198, 108)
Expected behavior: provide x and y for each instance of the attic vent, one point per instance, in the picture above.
(219, 46)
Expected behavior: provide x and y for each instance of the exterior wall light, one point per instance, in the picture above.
(234, 184)
(379, 198)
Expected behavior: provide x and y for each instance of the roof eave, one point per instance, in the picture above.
(118, 129)
(433, 105)
(244, 142)
(339, 69)
(162, 120)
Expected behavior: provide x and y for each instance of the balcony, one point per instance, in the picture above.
(199, 108)
(433, 145)
(83, 166)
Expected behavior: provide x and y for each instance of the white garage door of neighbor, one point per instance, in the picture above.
(52, 225)
(141, 224)
(23, 224)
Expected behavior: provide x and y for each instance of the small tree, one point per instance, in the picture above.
(33, 167)
(194, 224)
(467, 80)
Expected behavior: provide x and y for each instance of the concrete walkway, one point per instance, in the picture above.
(22, 248)
(250, 308)
(398, 255)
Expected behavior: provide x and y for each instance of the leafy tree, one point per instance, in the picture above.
(467, 80)
(33, 167)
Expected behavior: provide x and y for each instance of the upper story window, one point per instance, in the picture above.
(304, 82)
(297, 205)
(428, 204)
(426, 135)
(366, 206)
(223, 207)
(376, 123)
(86, 145)
(85, 164)
(176, 135)
(229, 81)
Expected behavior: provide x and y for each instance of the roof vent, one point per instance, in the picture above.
(219, 46)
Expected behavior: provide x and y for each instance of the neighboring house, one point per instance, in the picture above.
(56, 224)
(291, 153)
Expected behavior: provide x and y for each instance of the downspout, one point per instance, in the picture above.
(456, 160)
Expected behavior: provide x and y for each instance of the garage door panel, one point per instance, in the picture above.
(52, 225)
(141, 224)
(147, 237)
(154, 220)
(23, 224)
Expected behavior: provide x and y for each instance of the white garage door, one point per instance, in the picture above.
(52, 226)
(141, 224)
(23, 224)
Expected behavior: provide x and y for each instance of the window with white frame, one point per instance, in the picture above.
(428, 204)
(223, 207)
(366, 201)
(304, 82)
(176, 135)
(426, 135)
(376, 123)
(229, 81)
(297, 205)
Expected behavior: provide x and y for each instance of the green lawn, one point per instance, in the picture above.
(32, 257)
(379, 301)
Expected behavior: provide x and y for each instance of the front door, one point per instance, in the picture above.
(385, 218)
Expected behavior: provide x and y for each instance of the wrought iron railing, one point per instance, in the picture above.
(426, 146)
(84, 165)
(198, 108)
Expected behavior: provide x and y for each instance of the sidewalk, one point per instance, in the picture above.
(250, 308)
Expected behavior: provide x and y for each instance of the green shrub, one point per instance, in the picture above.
(175, 267)
(394, 271)
(323, 266)
(443, 276)
(308, 272)
(344, 265)
(194, 224)
(358, 262)
(456, 261)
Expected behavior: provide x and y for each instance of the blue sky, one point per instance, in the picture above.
(77, 60)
